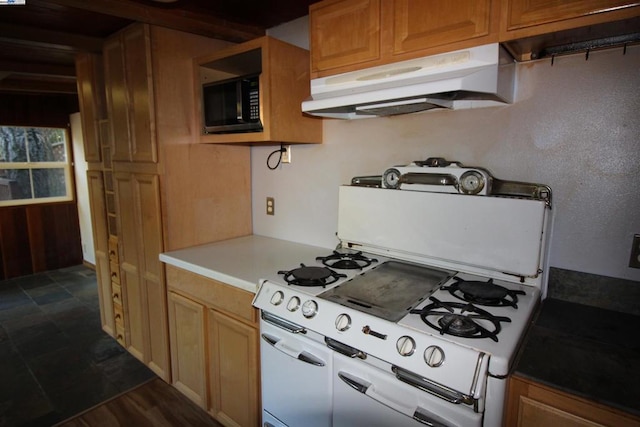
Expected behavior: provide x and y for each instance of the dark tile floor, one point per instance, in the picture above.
(55, 360)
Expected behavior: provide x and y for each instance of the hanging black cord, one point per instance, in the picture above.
(281, 150)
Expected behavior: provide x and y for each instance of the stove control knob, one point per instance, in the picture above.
(293, 304)
(343, 322)
(405, 346)
(434, 356)
(309, 309)
(277, 298)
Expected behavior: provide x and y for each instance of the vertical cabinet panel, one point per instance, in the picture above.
(150, 246)
(101, 244)
(137, 55)
(117, 98)
(188, 348)
(129, 83)
(142, 281)
(88, 76)
(234, 357)
(133, 293)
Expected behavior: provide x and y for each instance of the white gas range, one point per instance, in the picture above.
(425, 327)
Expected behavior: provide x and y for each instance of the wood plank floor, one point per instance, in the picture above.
(154, 404)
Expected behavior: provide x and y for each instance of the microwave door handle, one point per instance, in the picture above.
(239, 101)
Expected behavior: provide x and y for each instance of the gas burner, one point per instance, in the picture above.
(451, 319)
(483, 293)
(346, 261)
(311, 276)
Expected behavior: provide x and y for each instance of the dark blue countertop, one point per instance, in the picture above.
(586, 351)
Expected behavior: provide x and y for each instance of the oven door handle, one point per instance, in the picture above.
(282, 324)
(365, 387)
(303, 356)
(344, 349)
(446, 393)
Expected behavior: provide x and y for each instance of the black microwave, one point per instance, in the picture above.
(232, 105)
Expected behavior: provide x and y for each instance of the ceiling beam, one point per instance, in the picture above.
(206, 25)
(11, 84)
(47, 38)
(16, 67)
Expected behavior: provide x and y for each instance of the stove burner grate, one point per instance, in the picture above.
(451, 319)
(483, 293)
(311, 276)
(346, 261)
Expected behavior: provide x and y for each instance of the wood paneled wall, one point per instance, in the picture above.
(37, 109)
(42, 237)
(38, 238)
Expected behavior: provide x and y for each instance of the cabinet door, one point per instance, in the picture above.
(129, 88)
(188, 348)
(422, 24)
(234, 373)
(142, 279)
(148, 209)
(133, 295)
(344, 33)
(527, 13)
(138, 77)
(530, 404)
(88, 74)
(101, 246)
(117, 98)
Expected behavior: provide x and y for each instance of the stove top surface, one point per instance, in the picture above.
(390, 289)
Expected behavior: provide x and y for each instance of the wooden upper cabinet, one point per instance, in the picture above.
(421, 25)
(284, 84)
(344, 33)
(348, 35)
(90, 79)
(129, 88)
(525, 18)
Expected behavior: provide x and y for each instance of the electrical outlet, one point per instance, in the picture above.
(271, 206)
(634, 260)
(286, 155)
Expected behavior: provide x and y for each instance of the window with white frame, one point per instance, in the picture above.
(35, 166)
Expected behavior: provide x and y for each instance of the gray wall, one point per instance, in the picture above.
(575, 127)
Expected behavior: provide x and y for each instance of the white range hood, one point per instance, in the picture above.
(481, 76)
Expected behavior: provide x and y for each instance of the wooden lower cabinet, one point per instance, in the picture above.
(188, 347)
(214, 339)
(141, 274)
(233, 367)
(531, 405)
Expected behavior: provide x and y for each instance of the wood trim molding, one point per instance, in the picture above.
(183, 21)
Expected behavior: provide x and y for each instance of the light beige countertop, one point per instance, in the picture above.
(242, 262)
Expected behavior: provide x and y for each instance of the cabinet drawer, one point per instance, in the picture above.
(114, 267)
(212, 293)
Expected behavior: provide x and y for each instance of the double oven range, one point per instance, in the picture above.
(413, 320)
